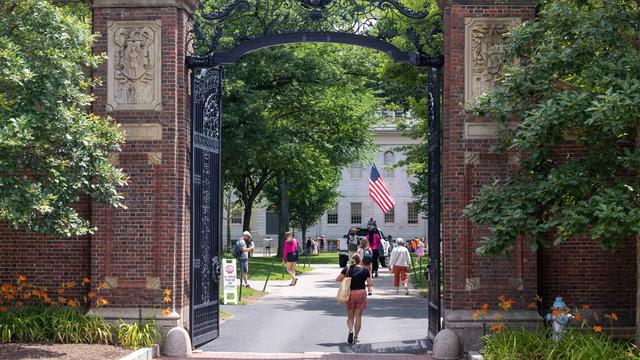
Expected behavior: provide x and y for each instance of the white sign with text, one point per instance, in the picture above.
(230, 281)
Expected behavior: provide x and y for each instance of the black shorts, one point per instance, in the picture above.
(292, 257)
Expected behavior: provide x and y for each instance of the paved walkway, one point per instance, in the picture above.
(305, 322)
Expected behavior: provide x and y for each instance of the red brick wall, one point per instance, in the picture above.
(44, 259)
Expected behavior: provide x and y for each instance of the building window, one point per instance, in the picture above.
(390, 216)
(356, 171)
(236, 217)
(332, 215)
(272, 222)
(412, 213)
(389, 159)
(356, 213)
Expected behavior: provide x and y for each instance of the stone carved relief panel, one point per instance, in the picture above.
(134, 65)
(484, 39)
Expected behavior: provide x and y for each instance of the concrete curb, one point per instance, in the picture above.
(474, 355)
(143, 354)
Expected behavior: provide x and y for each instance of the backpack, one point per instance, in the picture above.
(367, 256)
(237, 250)
(352, 243)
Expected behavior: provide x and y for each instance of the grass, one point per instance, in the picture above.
(418, 279)
(249, 295)
(259, 266)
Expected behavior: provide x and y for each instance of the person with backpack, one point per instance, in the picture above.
(241, 252)
(352, 241)
(366, 254)
(290, 256)
(373, 236)
(357, 303)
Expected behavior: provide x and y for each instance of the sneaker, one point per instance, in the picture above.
(397, 291)
(350, 337)
(295, 281)
(406, 291)
(248, 286)
(376, 275)
(370, 293)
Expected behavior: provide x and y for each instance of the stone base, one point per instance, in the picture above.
(470, 331)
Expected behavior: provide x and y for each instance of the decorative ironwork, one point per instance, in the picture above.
(206, 210)
(432, 272)
(255, 24)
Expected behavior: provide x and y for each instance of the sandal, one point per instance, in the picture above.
(350, 337)
(355, 340)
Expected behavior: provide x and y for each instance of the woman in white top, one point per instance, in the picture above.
(399, 264)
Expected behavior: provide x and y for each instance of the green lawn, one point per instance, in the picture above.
(259, 266)
(419, 282)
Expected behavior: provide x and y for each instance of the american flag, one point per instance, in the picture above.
(379, 191)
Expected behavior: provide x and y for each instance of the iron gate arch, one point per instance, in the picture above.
(351, 23)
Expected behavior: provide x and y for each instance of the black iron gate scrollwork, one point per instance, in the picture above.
(206, 195)
(222, 36)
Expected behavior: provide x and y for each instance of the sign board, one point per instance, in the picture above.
(230, 281)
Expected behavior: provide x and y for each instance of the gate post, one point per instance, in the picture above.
(472, 28)
(144, 249)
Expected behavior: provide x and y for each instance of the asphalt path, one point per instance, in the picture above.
(306, 318)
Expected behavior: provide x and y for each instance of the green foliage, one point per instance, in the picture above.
(52, 150)
(54, 324)
(288, 108)
(138, 335)
(523, 344)
(573, 73)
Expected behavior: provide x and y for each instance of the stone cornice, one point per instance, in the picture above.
(188, 5)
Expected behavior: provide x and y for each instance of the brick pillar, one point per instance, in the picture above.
(144, 249)
(471, 27)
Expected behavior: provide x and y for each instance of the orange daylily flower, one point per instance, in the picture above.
(485, 307)
(167, 299)
(103, 285)
(19, 303)
(91, 295)
(613, 316)
(585, 307)
(506, 304)
(5, 287)
(556, 312)
(101, 301)
(26, 295)
(578, 317)
(61, 300)
(166, 292)
(597, 328)
(69, 284)
(532, 306)
(9, 296)
(502, 297)
(85, 281)
(497, 327)
(47, 299)
(166, 312)
(22, 278)
(60, 291)
(73, 303)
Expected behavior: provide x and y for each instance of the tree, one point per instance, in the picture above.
(282, 102)
(578, 77)
(52, 151)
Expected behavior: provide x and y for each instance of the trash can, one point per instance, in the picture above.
(342, 260)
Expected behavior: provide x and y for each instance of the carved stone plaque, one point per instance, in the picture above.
(483, 39)
(133, 78)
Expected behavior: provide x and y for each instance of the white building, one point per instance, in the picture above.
(355, 207)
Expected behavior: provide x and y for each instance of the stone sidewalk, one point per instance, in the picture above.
(304, 356)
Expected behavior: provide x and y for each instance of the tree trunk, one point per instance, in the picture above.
(246, 217)
(283, 211)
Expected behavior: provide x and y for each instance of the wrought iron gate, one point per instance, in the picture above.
(432, 271)
(206, 200)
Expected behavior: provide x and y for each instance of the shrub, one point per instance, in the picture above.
(138, 335)
(59, 324)
(527, 344)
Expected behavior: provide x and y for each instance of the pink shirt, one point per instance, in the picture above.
(289, 247)
(376, 241)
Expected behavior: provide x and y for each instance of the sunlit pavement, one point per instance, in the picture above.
(305, 322)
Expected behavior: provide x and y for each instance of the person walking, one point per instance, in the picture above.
(373, 236)
(352, 242)
(245, 246)
(366, 254)
(357, 303)
(290, 256)
(420, 252)
(399, 264)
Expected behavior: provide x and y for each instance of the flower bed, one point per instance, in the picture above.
(525, 344)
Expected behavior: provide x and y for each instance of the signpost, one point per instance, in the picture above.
(230, 280)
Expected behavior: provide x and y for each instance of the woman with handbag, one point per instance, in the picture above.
(290, 256)
(366, 254)
(357, 277)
